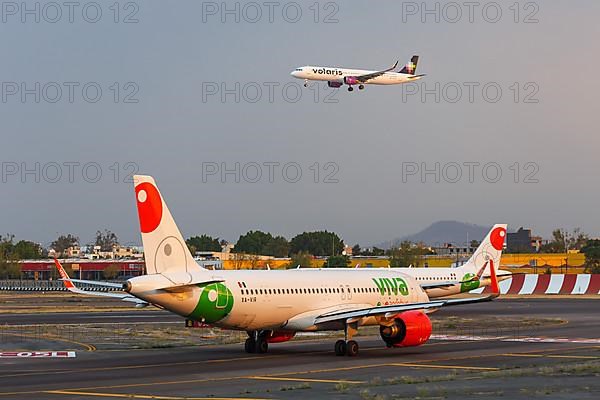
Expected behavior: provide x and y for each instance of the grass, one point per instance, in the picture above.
(300, 386)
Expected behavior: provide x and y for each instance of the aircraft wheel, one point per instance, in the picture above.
(250, 345)
(361, 87)
(351, 348)
(340, 348)
(306, 85)
(262, 346)
(350, 88)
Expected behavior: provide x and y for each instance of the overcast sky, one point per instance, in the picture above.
(518, 96)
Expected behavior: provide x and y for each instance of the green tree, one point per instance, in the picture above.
(106, 240)
(337, 261)
(407, 253)
(318, 243)
(356, 250)
(25, 249)
(203, 243)
(303, 259)
(563, 240)
(592, 256)
(258, 242)
(9, 269)
(63, 242)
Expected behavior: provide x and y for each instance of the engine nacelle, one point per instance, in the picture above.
(410, 328)
(279, 336)
(334, 84)
(350, 80)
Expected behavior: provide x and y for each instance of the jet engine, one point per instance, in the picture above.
(350, 80)
(334, 84)
(410, 328)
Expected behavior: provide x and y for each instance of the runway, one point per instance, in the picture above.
(478, 362)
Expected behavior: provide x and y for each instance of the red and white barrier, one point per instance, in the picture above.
(548, 284)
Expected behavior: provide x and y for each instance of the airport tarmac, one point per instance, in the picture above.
(529, 359)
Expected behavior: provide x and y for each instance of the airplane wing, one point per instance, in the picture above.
(68, 282)
(366, 77)
(390, 311)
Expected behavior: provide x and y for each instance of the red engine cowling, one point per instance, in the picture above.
(279, 336)
(334, 84)
(350, 80)
(411, 328)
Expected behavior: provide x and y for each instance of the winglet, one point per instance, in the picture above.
(63, 274)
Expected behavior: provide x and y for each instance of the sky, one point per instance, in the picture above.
(503, 128)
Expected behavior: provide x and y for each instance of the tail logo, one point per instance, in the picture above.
(149, 206)
(410, 67)
(497, 238)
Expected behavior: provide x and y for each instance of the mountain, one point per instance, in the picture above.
(442, 232)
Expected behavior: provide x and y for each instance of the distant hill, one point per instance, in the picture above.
(442, 232)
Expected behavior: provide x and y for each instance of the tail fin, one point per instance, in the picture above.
(164, 247)
(489, 251)
(411, 67)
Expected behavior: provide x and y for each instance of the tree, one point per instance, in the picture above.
(111, 271)
(203, 243)
(407, 253)
(258, 242)
(278, 246)
(25, 249)
(592, 256)
(303, 259)
(563, 241)
(106, 240)
(63, 242)
(9, 269)
(337, 261)
(319, 243)
(356, 250)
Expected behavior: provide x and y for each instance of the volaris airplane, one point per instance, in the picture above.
(336, 77)
(272, 305)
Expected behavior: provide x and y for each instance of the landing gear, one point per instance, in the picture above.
(306, 83)
(346, 348)
(361, 87)
(350, 88)
(256, 342)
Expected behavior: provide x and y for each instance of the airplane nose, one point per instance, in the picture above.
(294, 73)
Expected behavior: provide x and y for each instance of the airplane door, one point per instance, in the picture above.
(349, 292)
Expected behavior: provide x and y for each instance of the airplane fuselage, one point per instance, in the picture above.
(282, 299)
(335, 74)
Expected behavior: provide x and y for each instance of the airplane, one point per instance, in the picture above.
(273, 305)
(336, 77)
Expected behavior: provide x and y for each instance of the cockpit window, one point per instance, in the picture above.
(299, 69)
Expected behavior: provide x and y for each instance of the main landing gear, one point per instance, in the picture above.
(256, 342)
(360, 87)
(348, 347)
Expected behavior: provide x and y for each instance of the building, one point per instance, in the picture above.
(522, 241)
(82, 268)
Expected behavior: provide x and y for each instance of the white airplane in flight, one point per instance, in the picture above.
(272, 305)
(337, 77)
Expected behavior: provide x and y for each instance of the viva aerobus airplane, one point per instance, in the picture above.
(336, 77)
(272, 305)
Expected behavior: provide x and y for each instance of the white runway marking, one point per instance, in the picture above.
(37, 354)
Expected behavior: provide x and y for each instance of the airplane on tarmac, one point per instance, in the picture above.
(272, 305)
(336, 77)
